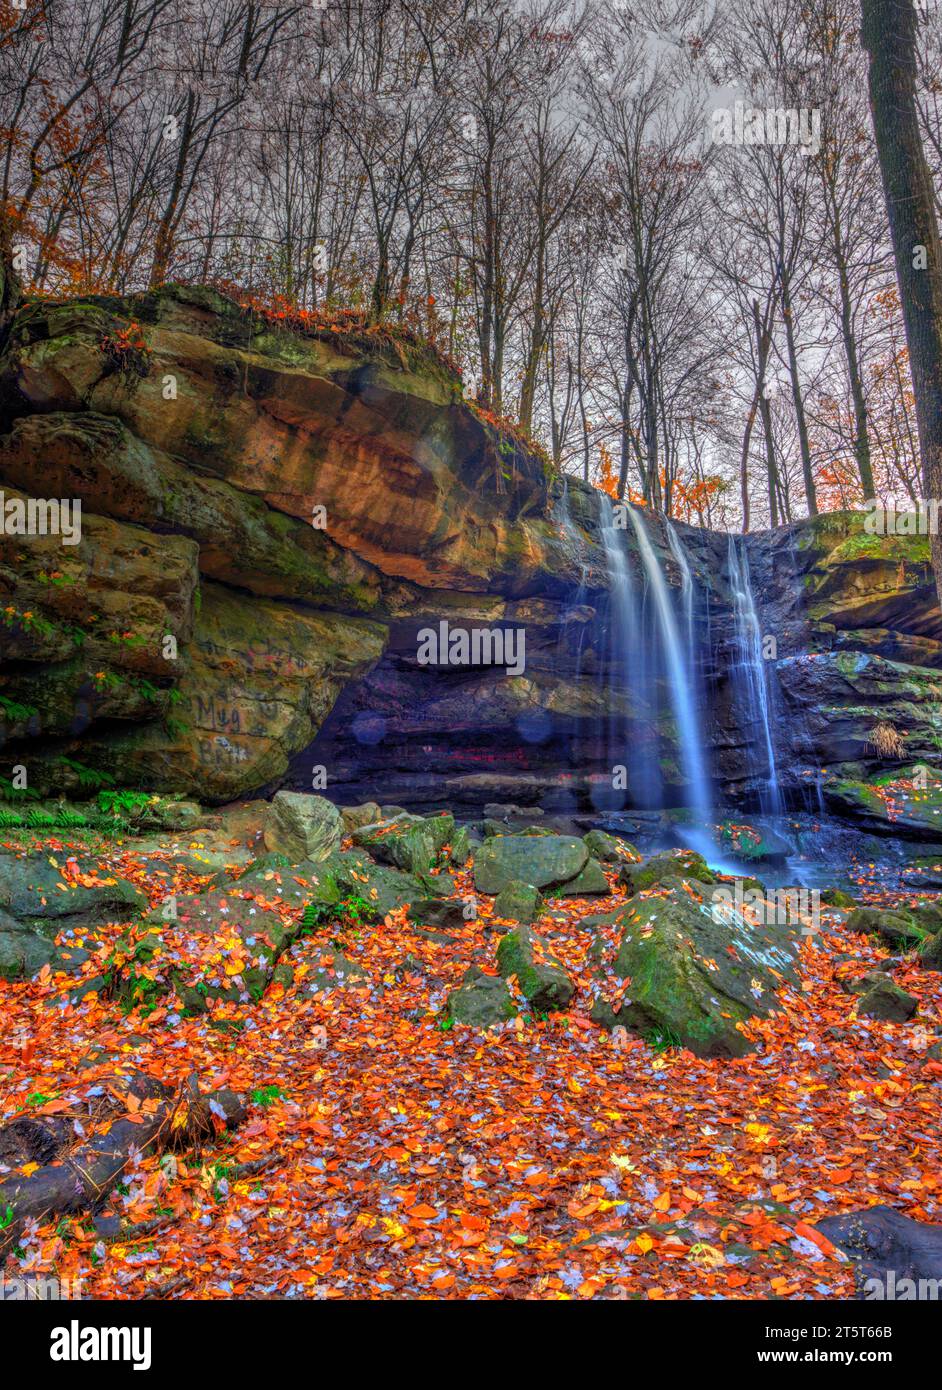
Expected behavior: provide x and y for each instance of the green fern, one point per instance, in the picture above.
(88, 777)
(16, 712)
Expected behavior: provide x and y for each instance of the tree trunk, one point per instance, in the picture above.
(11, 291)
(889, 38)
(806, 470)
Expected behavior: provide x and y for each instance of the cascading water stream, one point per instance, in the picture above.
(679, 675)
(749, 669)
(686, 588)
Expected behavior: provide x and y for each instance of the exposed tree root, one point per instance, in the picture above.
(156, 1118)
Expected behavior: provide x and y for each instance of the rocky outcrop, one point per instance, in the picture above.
(859, 651)
(273, 514)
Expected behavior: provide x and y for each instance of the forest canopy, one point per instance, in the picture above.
(653, 236)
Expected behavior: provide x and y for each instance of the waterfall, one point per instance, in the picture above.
(686, 588)
(679, 673)
(748, 671)
(629, 654)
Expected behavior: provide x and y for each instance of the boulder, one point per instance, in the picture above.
(897, 928)
(886, 1000)
(836, 897)
(518, 902)
(893, 1251)
(930, 952)
(540, 859)
(22, 953)
(608, 848)
(412, 843)
(42, 897)
(356, 816)
(694, 973)
(303, 827)
(481, 1000)
(376, 889)
(460, 847)
(682, 863)
(752, 845)
(542, 980)
(589, 882)
(928, 916)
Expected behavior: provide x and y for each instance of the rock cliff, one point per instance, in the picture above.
(272, 513)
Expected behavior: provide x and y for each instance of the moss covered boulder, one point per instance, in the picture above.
(43, 894)
(897, 928)
(542, 980)
(608, 848)
(518, 902)
(22, 953)
(589, 882)
(692, 974)
(930, 952)
(542, 860)
(481, 1000)
(371, 891)
(682, 863)
(887, 1001)
(412, 843)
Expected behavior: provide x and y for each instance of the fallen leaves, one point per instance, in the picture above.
(398, 1160)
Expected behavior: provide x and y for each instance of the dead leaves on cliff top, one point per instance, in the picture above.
(388, 1157)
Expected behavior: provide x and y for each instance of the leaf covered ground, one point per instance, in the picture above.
(387, 1154)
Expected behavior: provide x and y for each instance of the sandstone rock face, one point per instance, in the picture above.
(261, 549)
(859, 636)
